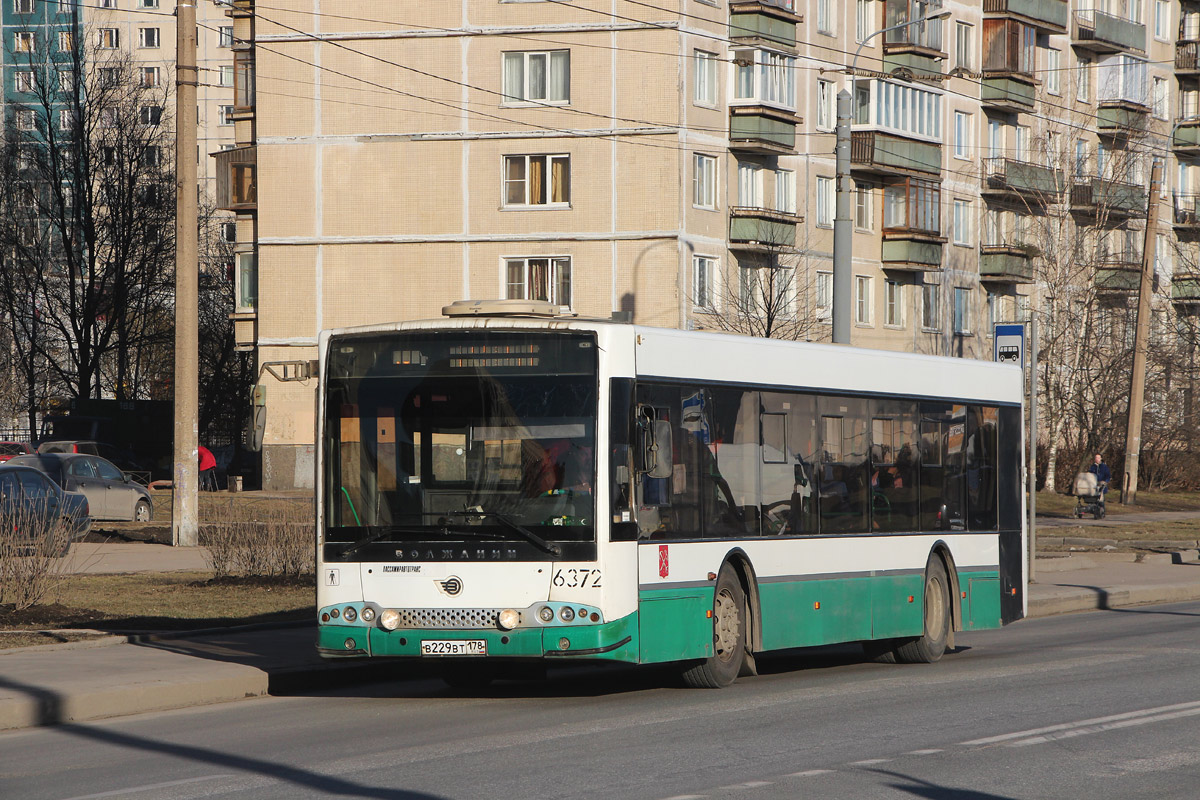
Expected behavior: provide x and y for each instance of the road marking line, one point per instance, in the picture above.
(152, 786)
(869, 762)
(923, 752)
(1146, 712)
(808, 773)
(687, 797)
(1111, 726)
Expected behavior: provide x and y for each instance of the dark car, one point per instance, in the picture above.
(29, 499)
(111, 493)
(10, 449)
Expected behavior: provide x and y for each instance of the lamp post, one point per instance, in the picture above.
(842, 234)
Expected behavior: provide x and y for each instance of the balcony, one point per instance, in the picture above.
(1048, 16)
(1121, 117)
(910, 250)
(762, 229)
(1008, 93)
(1105, 33)
(1187, 57)
(764, 22)
(1185, 291)
(1006, 263)
(1007, 176)
(237, 180)
(885, 154)
(1120, 272)
(1099, 197)
(1186, 216)
(1185, 137)
(762, 129)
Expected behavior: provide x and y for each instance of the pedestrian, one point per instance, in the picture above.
(208, 470)
(1103, 475)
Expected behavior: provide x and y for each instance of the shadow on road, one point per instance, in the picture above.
(1102, 596)
(933, 791)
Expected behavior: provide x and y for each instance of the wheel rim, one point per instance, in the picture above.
(725, 626)
(143, 513)
(935, 608)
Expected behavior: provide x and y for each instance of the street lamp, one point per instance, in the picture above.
(842, 235)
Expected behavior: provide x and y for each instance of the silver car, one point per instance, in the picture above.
(28, 498)
(110, 493)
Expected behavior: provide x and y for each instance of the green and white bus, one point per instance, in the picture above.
(513, 483)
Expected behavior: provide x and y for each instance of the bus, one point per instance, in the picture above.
(511, 483)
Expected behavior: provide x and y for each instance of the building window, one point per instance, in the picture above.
(224, 115)
(229, 231)
(1159, 98)
(225, 36)
(704, 270)
(929, 307)
(864, 214)
(243, 79)
(864, 20)
(108, 38)
(541, 180)
(825, 202)
(826, 106)
(750, 186)
(862, 300)
(225, 76)
(247, 281)
(546, 279)
(705, 68)
(785, 191)
(150, 115)
(1053, 72)
(1083, 80)
(766, 290)
(912, 204)
(26, 119)
(537, 77)
(899, 107)
(962, 310)
(761, 76)
(1021, 151)
(962, 222)
(147, 3)
(963, 57)
(66, 81)
(704, 181)
(825, 17)
(151, 77)
(66, 118)
(893, 304)
(23, 6)
(66, 41)
(824, 296)
(1162, 20)
(962, 135)
(24, 81)
(147, 37)
(23, 42)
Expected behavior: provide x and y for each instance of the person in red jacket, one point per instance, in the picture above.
(208, 470)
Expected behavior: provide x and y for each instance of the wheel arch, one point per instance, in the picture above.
(741, 564)
(942, 551)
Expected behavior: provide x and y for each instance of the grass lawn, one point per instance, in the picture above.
(154, 602)
(1061, 504)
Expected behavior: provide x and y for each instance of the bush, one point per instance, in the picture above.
(276, 542)
(30, 557)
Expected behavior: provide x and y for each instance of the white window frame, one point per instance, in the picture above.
(964, 31)
(66, 117)
(149, 38)
(554, 265)
(704, 68)
(225, 36)
(1053, 78)
(24, 42)
(245, 295)
(931, 311)
(763, 77)
(864, 301)
(823, 296)
(547, 179)
(511, 95)
(1083, 81)
(864, 21)
(825, 18)
(750, 186)
(825, 201)
(826, 105)
(911, 111)
(704, 182)
(864, 207)
(1160, 94)
(152, 77)
(960, 223)
(704, 288)
(24, 80)
(224, 114)
(24, 6)
(147, 3)
(108, 38)
(962, 135)
(26, 119)
(66, 81)
(962, 311)
(1162, 20)
(785, 191)
(66, 41)
(893, 304)
(147, 114)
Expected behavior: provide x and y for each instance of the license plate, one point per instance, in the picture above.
(453, 647)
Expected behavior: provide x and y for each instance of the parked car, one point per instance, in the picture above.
(28, 497)
(123, 459)
(10, 449)
(111, 494)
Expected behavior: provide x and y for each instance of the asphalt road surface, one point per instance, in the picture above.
(1101, 705)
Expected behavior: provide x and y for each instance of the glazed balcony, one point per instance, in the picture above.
(1007, 176)
(1185, 137)
(1105, 33)
(237, 179)
(1099, 197)
(1006, 263)
(759, 22)
(762, 229)
(885, 154)
(1186, 216)
(762, 129)
(1048, 16)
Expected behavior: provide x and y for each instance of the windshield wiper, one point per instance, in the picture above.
(519, 529)
(381, 533)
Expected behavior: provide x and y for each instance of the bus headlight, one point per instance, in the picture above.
(349, 615)
(368, 614)
(546, 614)
(389, 620)
(509, 619)
(566, 614)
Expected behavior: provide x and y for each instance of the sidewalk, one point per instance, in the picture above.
(114, 676)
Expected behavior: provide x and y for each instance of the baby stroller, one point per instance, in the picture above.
(1089, 495)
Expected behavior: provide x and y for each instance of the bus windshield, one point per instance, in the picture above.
(461, 435)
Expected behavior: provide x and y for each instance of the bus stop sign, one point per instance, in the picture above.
(1010, 344)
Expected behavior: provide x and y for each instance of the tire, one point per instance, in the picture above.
(929, 647)
(729, 636)
(881, 651)
(141, 512)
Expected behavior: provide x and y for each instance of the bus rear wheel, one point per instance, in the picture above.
(929, 647)
(729, 636)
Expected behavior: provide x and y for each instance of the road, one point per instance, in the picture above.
(1101, 705)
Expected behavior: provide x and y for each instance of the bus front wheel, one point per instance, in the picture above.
(930, 646)
(729, 636)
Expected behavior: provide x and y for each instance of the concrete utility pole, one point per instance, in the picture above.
(1137, 384)
(185, 527)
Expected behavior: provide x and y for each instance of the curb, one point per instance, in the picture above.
(1087, 598)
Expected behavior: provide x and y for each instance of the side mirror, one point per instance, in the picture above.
(126, 477)
(654, 445)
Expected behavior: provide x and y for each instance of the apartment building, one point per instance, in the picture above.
(670, 159)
